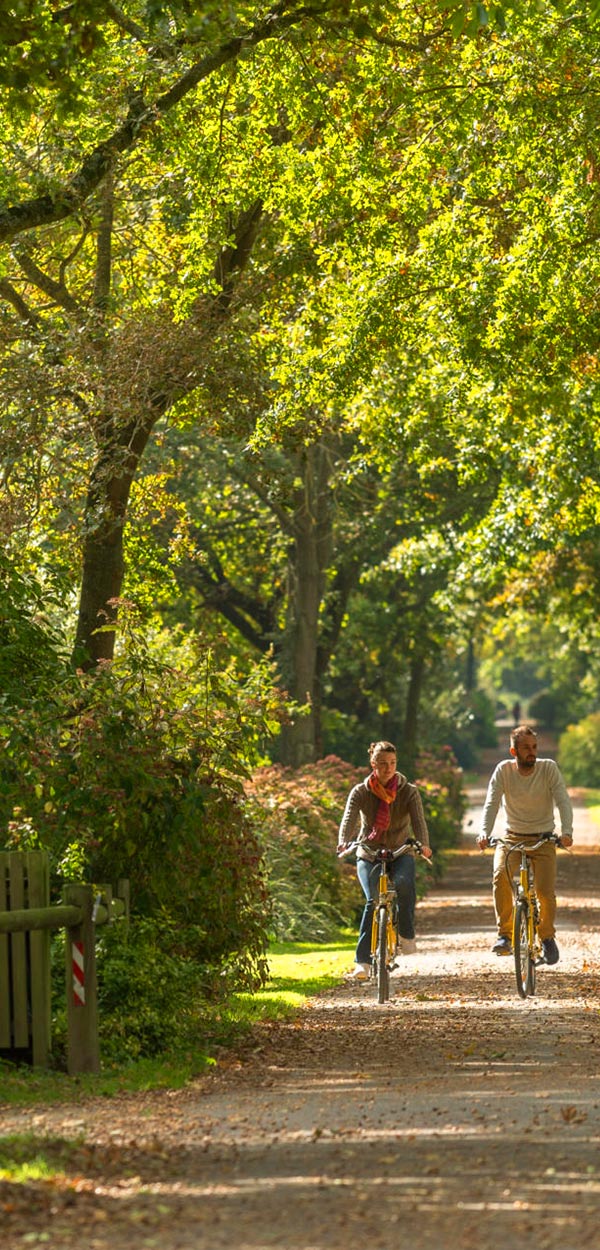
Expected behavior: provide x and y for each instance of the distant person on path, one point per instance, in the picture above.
(382, 811)
(529, 789)
(516, 713)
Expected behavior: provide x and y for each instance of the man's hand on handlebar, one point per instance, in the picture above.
(564, 841)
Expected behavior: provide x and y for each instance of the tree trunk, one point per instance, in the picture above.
(121, 447)
(413, 699)
(311, 549)
(103, 563)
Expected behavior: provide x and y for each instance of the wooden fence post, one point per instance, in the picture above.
(38, 876)
(5, 1003)
(25, 957)
(83, 1053)
(18, 955)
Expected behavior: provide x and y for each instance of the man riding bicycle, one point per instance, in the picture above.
(529, 789)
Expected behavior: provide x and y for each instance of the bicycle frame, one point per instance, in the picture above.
(384, 933)
(526, 942)
(527, 947)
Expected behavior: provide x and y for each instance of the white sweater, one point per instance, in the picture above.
(528, 799)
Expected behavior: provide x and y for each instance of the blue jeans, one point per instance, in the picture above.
(402, 873)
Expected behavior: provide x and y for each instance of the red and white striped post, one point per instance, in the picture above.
(78, 969)
(83, 1052)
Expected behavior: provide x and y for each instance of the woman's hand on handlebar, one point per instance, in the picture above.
(346, 848)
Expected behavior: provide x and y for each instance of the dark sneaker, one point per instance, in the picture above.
(503, 946)
(550, 951)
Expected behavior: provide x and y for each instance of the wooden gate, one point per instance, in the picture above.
(26, 919)
(25, 959)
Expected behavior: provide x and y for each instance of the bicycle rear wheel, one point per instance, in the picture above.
(383, 976)
(524, 965)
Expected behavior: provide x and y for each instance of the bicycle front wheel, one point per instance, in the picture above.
(524, 963)
(383, 976)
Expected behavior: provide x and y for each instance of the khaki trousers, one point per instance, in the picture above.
(544, 873)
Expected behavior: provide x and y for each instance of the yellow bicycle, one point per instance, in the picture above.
(384, 930)
(527, 946)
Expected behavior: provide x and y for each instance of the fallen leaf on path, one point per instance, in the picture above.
(572, 1115)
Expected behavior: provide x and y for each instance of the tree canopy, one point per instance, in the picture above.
(312, 287)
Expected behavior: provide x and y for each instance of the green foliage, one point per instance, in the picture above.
(135, 772)
(471, 728)
(411, 347)
(579, 751)
(153, 994)
(33, 653)
(297, 813)
(150, 990)
(423, 282)
(195, 1033)
(543, 708)
(440, 783)
(152, 1003)
(541, 639)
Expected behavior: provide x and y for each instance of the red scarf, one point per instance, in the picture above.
(386, 795)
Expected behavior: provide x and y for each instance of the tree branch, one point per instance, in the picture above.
(7, 292)
(244, 474)
(234, 256)
(253, 620)
(56, 290)
(47, 209)
(126, 23)
(102, 277)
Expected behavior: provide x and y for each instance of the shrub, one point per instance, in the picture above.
(542, 709)
(299, 812)
(135, 772)
(579, 751)
(151, 1001)
(440, 781)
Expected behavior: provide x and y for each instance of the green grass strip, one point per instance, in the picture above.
(298, 971)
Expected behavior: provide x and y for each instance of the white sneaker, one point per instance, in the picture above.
(360, 972)
(406, 946)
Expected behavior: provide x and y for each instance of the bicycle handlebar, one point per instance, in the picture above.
(382, 853)
(523, 846)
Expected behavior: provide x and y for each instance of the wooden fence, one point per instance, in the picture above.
(26, 920)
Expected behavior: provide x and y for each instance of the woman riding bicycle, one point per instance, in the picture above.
(381, 812)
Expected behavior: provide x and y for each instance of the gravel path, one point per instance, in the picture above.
(456, 1116)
